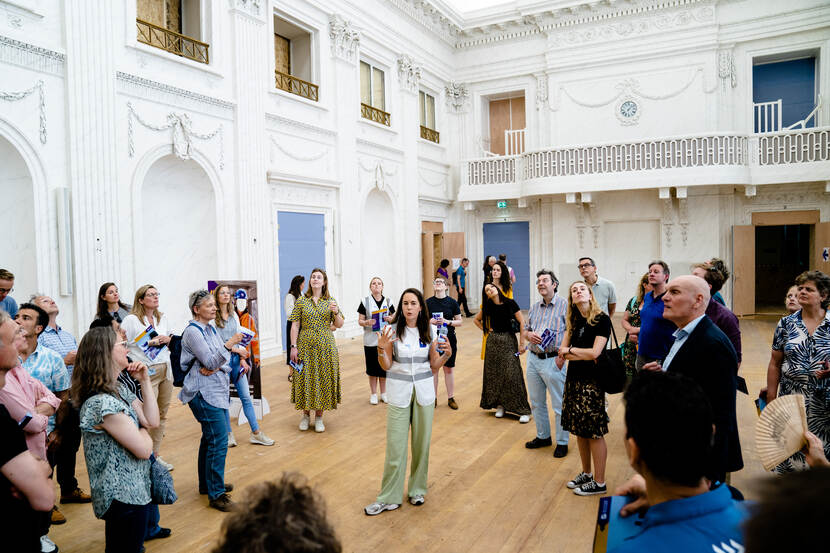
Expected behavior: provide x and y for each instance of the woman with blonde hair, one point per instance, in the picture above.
(583, 404)
(317, 386)
(631, 325)
(117, 445)
(374, 303)
(228, 326)
(149, 325)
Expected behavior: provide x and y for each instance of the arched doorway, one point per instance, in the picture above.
(17, 211)
(176, 234)
(380, 254)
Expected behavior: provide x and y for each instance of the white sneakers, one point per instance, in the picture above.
(167, 466)
(383, 398)
(373, 399)
(259, 438)
(499, 412)
(524, 419)
(318, 424)
(231, 440)
(47, 545)
(304, 423)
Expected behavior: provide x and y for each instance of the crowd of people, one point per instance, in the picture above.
(682, 352)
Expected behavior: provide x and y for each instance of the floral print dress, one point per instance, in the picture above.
(318, 386)
(803, 356)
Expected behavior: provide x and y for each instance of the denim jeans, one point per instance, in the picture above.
(244, 394)
(213, 447)
(125, 527)
(153, 518)
(542, 376)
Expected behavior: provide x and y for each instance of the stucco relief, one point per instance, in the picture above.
(17, 96)
(345, 39)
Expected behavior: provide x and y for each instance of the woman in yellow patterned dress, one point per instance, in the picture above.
(317, 386)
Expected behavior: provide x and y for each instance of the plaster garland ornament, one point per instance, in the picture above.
(456, 96)
(409, 73)
(379, 174)
(345, 39)
(181, 130)
(252, 7)
(683, 219)
(668, 220)
(726, 69)
(541, 91)
(17, 96)
(298, 157)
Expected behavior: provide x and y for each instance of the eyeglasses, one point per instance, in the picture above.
(122, 343)
(6, 290)
(152, 295)
(584, 265)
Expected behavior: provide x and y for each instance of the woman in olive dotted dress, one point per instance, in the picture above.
(317, 386)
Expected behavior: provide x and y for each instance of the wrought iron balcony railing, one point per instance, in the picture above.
(375, 114)
(295, 85)
(172, 42)
(429, 134)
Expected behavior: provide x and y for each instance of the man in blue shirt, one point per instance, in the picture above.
(656, 333)
(461, 286)
(668, 424)
(7, 302)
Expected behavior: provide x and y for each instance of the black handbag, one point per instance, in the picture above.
(161, 484)
(611, 368)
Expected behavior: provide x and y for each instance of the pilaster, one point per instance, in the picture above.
(92, 124)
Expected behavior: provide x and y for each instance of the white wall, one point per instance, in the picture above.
(17, 211)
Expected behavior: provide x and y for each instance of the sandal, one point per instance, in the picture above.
(377, 508)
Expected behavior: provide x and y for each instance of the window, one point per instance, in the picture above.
(293, 69)
(427, 108)
(783, 93)
(373, 94)
(174, 26)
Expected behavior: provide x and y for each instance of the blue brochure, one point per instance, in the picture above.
(612, 529)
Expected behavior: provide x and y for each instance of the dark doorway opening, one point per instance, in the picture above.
(782, 252)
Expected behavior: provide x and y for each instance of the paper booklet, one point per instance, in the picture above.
(247, 336)
(377, 319)
(143, 342)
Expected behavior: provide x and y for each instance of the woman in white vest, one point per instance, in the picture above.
(374, 312)
(410, 358)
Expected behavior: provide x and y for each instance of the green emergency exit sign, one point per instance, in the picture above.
(502, 204)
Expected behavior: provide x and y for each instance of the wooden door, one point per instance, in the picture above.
(821, 242)
(454, 251)
(743, 266)
(282, 54)
(427, 262)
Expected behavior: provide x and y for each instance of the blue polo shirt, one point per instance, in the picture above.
(706, 522)
(462, 277)
(656, 333)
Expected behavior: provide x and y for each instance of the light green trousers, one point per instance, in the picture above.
(398, 421)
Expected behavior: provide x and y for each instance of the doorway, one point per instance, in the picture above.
(782, 252)
(513, 240)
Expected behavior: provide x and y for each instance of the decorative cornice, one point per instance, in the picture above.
(248, 7)
(409, 73)
(456, 96)
(515, 24)
(279, 120)
(139, 87)
(345, 39)
(379, 146)
(31, 57)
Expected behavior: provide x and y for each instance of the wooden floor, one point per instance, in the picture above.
(486, 491)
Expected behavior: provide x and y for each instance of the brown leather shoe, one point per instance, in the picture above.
(77, 496)
(57, 516)
(223, 503)
(451, 402)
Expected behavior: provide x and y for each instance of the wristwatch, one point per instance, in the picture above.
(294, 346)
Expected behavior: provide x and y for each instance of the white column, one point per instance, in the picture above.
(93, 176)
(409, 79)
(251, 79)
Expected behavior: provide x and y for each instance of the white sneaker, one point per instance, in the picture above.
(318, 424)
(231, 440)
(259, 438)
(384, 398)
(167, 466)
(373, 399)
(304, 423)
(47, 545)
(499, 412)
(524, 419)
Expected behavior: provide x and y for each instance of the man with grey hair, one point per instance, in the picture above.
(26, 492)
(703, 352)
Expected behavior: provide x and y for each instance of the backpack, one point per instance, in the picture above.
(455, 278)
(175, 347)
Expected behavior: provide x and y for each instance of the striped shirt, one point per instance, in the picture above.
(209, 351)
(59, 340)
(548, 315)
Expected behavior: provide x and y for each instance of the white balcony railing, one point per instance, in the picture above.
(514, 141)
(724, 150)
(768, 116)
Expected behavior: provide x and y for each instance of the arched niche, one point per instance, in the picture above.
(378, 244)
(176, 234)
(19, 253)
